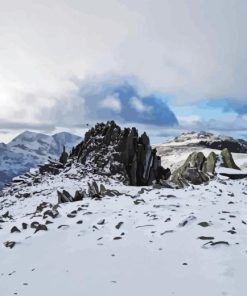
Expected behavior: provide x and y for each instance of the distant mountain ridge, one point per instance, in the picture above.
(174, 152)
(209, 140)
(29, 149)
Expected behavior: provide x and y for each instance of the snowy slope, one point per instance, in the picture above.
(139, 241)
(30, 149)
(143, 242)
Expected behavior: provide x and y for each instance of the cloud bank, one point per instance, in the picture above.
(189, 51)
(111, 99)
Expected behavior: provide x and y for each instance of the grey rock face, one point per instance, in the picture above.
(210, 164)
(228, 161)
(198, 169)
(64, 157)
(65, 196)
(109, 150)
(191, 171)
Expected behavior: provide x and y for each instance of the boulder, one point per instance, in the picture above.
(210, 164)
(51, 213)
(41, 227)
(9, 244)
(95, 191)
(65, 196)
(14, 229)
(227, 159)
(191, 171)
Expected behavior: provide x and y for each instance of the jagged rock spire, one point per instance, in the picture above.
(107, 149)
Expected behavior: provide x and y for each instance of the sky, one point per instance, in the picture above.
(164, 66)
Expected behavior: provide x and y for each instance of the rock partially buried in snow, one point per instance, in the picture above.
(14, 229)
(41, 227)
(9, 244)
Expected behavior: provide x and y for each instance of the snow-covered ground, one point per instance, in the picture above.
(145, 241)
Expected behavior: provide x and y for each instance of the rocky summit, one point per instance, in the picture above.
(109, 150)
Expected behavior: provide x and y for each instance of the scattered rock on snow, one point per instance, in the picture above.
(9, 244)
(14, 229)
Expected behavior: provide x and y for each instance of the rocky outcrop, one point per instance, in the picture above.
(210, 163)
(51, 167)
(227, 159)
(65, 196)
(98, 192)
(111, 151)
(191, 171)
(198, 169)
(64, 156)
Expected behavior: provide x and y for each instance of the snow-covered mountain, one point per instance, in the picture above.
(174, 152)
(209, 140)
(30, 149)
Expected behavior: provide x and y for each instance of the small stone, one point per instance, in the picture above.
(41, 227)
(119, 225)
(203, 224)
(24, 225)
(9, 244)
(34, 224)
(14, 229)
(101, 222)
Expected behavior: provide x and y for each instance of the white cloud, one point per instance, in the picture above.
(139, 106)
(192, 49)
(112, 103)
(190, 119)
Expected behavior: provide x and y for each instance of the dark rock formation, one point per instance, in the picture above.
(64, 156)
(52, 213)
(109, 150)
(14, 229)
(210, 163)
(65, 196)
(191, 171)
(41, 227)
(94, 191)
(234, 146)
(52, 167)
(9, 244)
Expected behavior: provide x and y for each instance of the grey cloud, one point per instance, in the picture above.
(10, 125)
(191, 49)
(117, 93)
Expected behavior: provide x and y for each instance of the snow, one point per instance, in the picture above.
(144, 242)
(79, 259)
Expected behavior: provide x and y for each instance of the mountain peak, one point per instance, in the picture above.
(29, 149)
